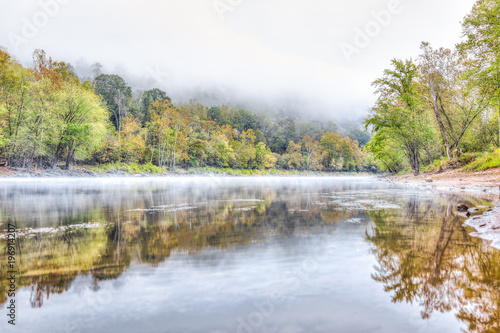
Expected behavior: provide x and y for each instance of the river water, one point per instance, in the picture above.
(237, 254)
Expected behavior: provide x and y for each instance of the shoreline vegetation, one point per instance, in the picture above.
(440, 110)
(135, 170)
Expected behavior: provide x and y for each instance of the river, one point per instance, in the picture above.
(244, 254)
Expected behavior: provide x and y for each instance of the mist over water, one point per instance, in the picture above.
(237, 254)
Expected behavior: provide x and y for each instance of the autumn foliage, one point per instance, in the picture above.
(50, 119)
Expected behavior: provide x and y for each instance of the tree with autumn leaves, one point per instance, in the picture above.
(47, 114)
(50, 119)
(332, 153)
(168, 133)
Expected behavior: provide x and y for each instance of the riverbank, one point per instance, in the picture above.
(483, 183)
(133, 171)
(487, 225)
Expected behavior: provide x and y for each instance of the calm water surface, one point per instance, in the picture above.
(216, 255)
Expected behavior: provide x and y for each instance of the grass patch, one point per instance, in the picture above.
(437, 165)
(445, 164)
(485, 161)
(242, 172)
(132, 168)
(149, 169)
(405, 171)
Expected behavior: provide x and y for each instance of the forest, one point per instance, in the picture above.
(50, 118)
(442, 109)
(439, 110)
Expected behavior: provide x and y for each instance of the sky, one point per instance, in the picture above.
(314, 58)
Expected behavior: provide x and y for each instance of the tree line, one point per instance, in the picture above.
(49, 118)
(442, 104)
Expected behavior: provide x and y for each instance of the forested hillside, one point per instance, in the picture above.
(50, 119)
(438, 110)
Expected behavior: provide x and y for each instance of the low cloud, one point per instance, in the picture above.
(280, 55)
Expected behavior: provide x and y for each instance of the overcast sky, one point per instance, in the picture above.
(283, 54)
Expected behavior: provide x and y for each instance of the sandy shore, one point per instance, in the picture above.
(486, 182)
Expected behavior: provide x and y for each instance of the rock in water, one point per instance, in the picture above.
(462, 208)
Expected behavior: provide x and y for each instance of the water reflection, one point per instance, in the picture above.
(144, 223)
(425, 256)
(423, 253)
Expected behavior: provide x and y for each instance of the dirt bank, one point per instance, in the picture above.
(21, 172)
(486, 182)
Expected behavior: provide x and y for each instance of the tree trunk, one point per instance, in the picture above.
(414, 163)
(54, 166)
(429, 155)
(440, 122)
(173, 150)
(71, 151)
(152, 153)
(68, 158)
(163, 152)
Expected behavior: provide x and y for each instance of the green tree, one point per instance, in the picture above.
(147, 98)
(264, 158)
(331, 148)
(386, 151)
(363, 137)
(293, 156)
(15, 101)
(399, 112)
(168, 129)
(219, 151)
(244, 149)
(455, 104)
(79, 123)
(116, 94)
(480, 29)
(311, 148)
(132, 141)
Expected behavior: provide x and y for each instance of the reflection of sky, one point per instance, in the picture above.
(209, 291)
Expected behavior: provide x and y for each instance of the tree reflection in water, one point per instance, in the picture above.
(424, 254)
(437, 265)
(49, 264)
